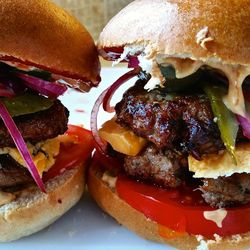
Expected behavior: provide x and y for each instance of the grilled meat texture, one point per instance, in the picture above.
(12, 174)
(183, 123)
(169, 169)
(177, 126)
(227, 191)
(165, 169)
(34, 128)
(38, 126)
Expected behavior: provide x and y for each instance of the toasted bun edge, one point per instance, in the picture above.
(200, 30)
(34, 210)
(109, 201)
(41, 34)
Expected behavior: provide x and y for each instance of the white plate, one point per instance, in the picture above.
(85, 226)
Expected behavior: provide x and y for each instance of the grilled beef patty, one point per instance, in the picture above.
(34, 128)
(177, 126)
(183, 123)
(164, 167)
(12, 174)
(38, 126)
(227, 191)
(169, 169)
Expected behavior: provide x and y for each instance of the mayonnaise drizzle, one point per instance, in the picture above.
(149, 62)
(234, 100)
(217, 216)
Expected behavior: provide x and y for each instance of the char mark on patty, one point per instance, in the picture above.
(177, 126)
(183, 123)
(38, 126)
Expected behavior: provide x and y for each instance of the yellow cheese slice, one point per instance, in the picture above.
(43, 154)
(122, 139)
(215, 165)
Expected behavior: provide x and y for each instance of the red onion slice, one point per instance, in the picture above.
(50, 89)
(245, 124)
(133, 62)
(111, 90)
(104, 99)
(100, 144)
(5, 91)
(21, 145)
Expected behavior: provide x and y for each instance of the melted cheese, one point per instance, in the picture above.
(43, 154)
(216, 216)
(216, 165)
(121, 139)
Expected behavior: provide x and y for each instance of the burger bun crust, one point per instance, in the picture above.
(33, 210)
(40, 34)
(171, 27)
(109, 201)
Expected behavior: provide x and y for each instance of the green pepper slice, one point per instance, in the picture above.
(37, 73)
(174, 84)
(26, 103)
(226, 120)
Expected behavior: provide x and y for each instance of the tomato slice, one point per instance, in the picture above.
(74, 151)
(183, 209)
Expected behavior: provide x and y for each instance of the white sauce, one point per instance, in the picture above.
(110, 180)
(150, 66)
(217, 216)
(235, 99)
(183, 67)
(149, 61)
(128, 51)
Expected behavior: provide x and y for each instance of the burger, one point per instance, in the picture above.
(173, 163)
(43, 51)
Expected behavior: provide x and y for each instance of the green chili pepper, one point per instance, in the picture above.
(226, 120)
(26, 103)
(174, 84)
(37, 73)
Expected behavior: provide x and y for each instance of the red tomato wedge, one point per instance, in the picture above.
(73, 152)
(182, 209)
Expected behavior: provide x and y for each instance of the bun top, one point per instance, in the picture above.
(40, 34)
(197, 29)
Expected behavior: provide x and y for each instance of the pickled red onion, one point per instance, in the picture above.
(133, 62)
(111, 90)
(21, 145)
(5, 91)
(50, 89)
(104, 99)
(100, 144)
(245, 124)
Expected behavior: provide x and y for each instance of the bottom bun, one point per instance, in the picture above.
(108, 199)
(33, 210)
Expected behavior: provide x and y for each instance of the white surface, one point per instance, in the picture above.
(85, 226)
